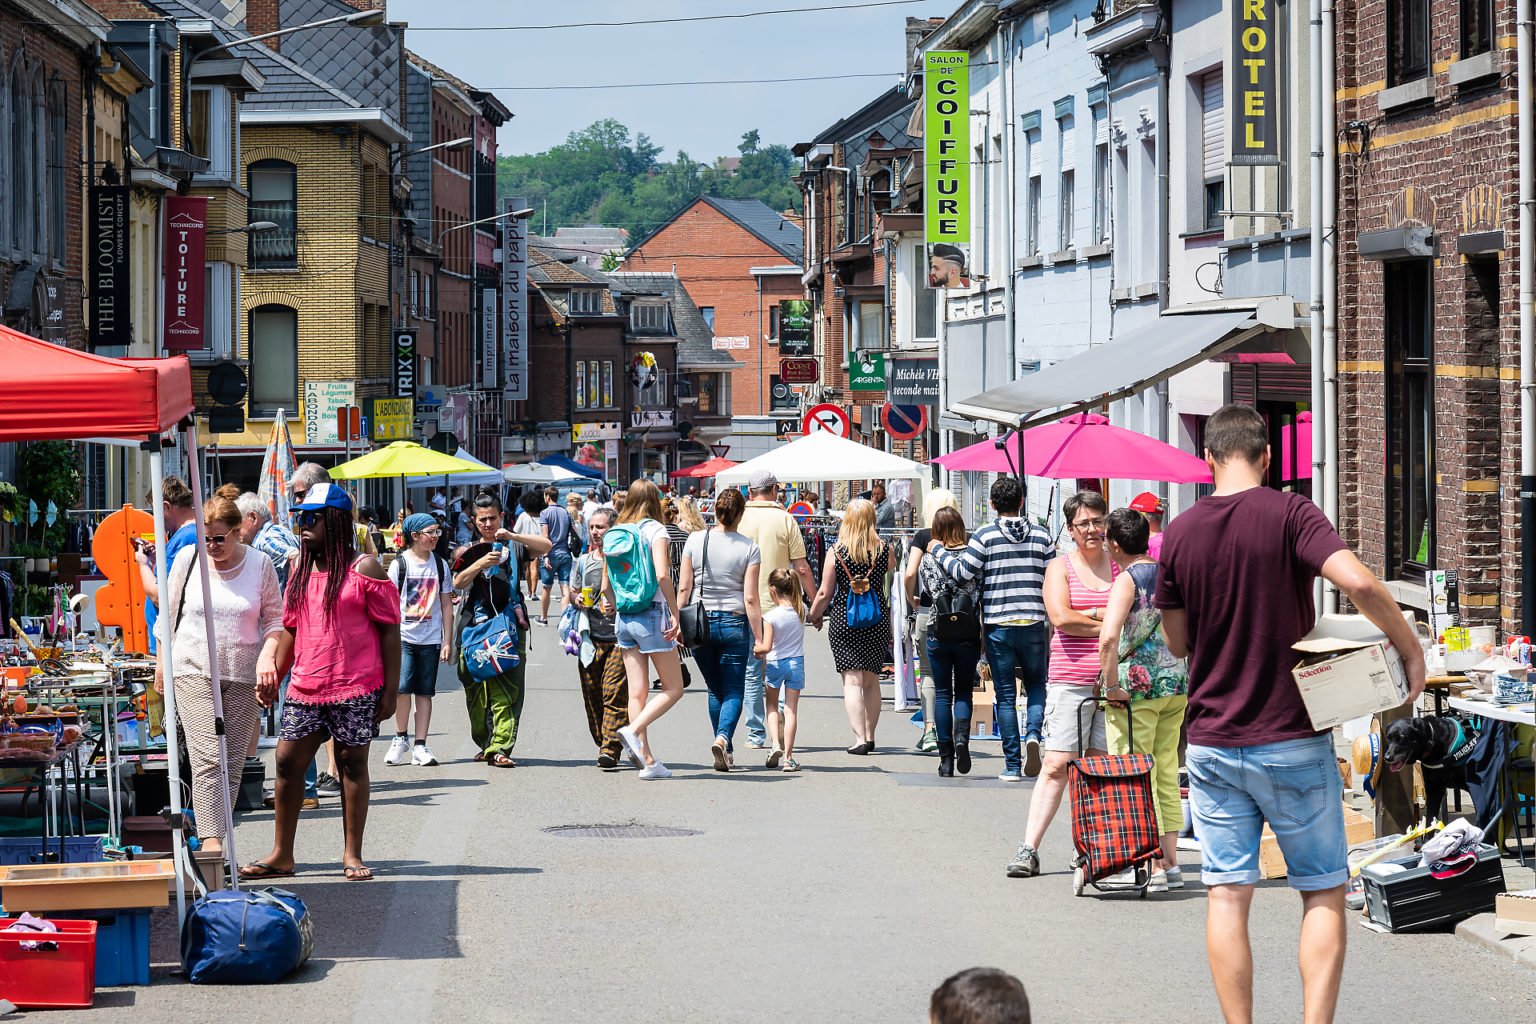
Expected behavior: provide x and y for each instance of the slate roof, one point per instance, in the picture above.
(753, 216)
(695, 339)
(554, 280)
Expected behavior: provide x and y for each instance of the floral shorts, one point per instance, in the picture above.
(349, 722)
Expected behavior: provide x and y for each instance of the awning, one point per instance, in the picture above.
(1136, 361)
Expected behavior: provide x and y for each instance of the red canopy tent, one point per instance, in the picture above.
(707, 468)
(48, 392)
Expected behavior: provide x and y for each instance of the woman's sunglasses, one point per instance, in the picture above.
(217, 538)
(306, 517)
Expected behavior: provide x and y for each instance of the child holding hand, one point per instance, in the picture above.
(783, 644)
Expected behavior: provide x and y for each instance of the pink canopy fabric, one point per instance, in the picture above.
(708, 468)
(1083, 446)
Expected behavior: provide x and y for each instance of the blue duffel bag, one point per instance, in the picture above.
(234, 937)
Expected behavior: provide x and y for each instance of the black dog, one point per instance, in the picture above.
(1440, 745)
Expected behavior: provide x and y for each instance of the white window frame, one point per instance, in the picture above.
(921, 294)
(1101, 176)
(648, 316)
(1033, 192)
(586, 301)
(220, 135)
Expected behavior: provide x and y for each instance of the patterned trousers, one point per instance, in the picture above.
(605, 691)
(242, 716)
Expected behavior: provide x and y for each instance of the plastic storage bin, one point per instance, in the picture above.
(1414, 898)
(63, 978)
(30, 850)
(122, 945)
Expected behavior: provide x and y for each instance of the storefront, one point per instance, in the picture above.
(596, 444)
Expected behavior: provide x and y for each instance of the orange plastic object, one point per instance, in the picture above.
(121, 602)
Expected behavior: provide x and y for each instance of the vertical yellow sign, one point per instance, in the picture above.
(947, 166)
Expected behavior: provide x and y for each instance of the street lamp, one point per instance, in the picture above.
(254, 227)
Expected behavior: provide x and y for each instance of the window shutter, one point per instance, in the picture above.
(1100, 127)
(1213, 122)
(1068, 144)
(1034, 153)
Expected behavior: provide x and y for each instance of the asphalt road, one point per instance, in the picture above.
(844, 893)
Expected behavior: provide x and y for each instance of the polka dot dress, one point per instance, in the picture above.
(865, 649)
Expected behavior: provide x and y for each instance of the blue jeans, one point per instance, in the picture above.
(757, 729)
(954, 676)
(723, 663)
(1295, 786)
(1022, 648)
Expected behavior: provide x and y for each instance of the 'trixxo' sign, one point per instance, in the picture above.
(186, 220)
(404, 374)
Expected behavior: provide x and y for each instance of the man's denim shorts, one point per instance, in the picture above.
(559, 570)
(643, 630)
(1295, 786)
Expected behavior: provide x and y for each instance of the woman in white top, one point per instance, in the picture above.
(723, 564)
(247, 613)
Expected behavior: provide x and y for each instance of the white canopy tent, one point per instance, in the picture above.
(486, 476)
(538, 473)
(823, 457)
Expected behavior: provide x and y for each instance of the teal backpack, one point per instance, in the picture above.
(631, 568)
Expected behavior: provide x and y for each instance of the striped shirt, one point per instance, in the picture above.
(1075, 659)
(1010, 556)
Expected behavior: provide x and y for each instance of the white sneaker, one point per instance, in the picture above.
(422, 756)
(631, 746)
(1175, 878)
(656, 771)
(1158, 882)
(399, 751)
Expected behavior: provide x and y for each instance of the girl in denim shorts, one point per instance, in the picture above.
(784, 645)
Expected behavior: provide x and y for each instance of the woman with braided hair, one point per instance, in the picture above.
(341, 635)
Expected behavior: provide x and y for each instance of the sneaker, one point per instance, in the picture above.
(325, 782)
(422, 757)
(757, 744)
(1010, 775)
(1032, 757)
(543, 620)
(399, 751)
(1175, 878)
(1026, 863)
(631, 746)
(1158, 882)
(1125, 879)
(790, 765)
(656, 771)
(607, 762)
(775, 756)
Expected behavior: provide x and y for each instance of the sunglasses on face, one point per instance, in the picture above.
(217, 538)
(307, 517)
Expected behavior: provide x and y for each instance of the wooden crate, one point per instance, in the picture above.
(1357, 829)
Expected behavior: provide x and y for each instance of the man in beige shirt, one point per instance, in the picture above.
(778, 538)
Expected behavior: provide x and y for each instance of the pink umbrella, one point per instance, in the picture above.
(1083, 446)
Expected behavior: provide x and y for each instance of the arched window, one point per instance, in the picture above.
(274, 345)
(39, 155)
(274, 197)
(58, 99)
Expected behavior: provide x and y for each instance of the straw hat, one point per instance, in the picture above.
(1365, 758)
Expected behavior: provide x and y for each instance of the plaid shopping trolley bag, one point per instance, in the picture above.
(1114, 820)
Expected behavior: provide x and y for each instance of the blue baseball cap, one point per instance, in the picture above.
(325, 495)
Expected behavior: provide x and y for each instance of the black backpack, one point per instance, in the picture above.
(955, 618)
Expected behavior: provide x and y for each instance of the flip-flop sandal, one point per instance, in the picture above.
(357, 873)
(480, 755)
(258, 870)
(500, 761)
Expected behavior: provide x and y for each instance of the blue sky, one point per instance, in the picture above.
(706, 121)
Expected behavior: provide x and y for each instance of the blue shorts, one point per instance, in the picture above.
(560, 558)
(786, 674)
(1295, 786)
(418, 669)
(643, 630)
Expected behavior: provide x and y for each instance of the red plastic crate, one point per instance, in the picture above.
(64, 978)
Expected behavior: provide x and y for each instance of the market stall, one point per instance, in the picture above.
(825, 457)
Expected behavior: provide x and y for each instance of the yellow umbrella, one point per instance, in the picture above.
(402, 458)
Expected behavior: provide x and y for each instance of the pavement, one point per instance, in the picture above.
(846, 892)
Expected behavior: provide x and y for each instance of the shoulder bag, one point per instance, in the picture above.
(693, 618)
(863, 606)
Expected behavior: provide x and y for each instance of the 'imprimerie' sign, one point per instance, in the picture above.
(946, 147)
(1254, 103)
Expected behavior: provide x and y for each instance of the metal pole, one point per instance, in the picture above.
(1527, 321)
(1320, 423)
(168, 676)
(1330, 257)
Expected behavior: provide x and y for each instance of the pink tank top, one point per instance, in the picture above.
(1075, 659)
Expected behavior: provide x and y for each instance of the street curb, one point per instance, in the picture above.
(1479, 931)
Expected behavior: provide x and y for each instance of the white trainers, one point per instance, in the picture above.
(1158, 882)
(399, 751)
(1175, 878)
(422, 756)
(656, 771)
(631, 746)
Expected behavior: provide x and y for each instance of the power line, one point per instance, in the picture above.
(664, 21)
(668, 85)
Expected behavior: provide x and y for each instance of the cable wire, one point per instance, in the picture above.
(664, 21)
(668, 85)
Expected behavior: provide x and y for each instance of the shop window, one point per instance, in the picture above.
(1407, 40)
(274, 347)
(1410, 419)
(1476, 27)
(274, 197)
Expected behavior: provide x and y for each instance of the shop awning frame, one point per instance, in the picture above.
(1177, 340)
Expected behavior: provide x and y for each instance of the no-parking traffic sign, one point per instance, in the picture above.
(831, 418)
(904, 422)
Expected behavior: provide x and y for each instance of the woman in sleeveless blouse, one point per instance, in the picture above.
(859, 556)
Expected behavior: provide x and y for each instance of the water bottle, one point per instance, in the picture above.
(496, 549)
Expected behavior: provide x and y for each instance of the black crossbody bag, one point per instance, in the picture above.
(693, 618)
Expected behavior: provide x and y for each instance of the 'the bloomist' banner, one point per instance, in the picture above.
(1254, 103)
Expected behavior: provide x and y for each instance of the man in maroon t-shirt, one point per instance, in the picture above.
(1235, 588)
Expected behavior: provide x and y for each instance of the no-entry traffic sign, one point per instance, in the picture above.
(904, 422)
(831, 418)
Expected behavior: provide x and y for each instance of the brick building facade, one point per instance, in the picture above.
(1429, 347)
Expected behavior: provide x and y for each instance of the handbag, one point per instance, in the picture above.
(863, 608)
(488, 648)
(239, 937)
(693, 618)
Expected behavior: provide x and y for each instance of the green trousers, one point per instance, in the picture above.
(495, 706)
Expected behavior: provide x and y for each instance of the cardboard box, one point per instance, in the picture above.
(1514, 913)
(1347, 670)
(1357, 829)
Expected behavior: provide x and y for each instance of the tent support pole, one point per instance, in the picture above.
(168, 676)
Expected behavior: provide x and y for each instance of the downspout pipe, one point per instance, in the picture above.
(1330, 255)
(1527, 320)
(1321, 420)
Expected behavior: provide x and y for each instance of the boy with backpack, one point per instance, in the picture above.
(421, 576)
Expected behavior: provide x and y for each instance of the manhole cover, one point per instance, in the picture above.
(630, 831)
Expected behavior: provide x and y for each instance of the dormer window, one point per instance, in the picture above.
(648, 316)
(586, 301)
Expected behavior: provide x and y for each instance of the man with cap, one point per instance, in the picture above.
(1152, 507)
(779, 539)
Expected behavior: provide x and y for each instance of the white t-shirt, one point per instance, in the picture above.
(422, 595)
(729, 556)
(788, 633)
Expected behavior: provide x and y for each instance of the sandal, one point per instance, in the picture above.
(258, 870)
(500, 760)
(357, 873)
(479, 755)
(791, 765)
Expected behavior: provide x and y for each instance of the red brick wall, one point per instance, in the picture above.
(1462, 140)
(714, 257)
(453, 200)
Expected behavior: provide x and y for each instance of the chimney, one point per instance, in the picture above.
(264, 16)
(917, 29)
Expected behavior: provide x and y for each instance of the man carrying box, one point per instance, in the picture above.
(1235, 588)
